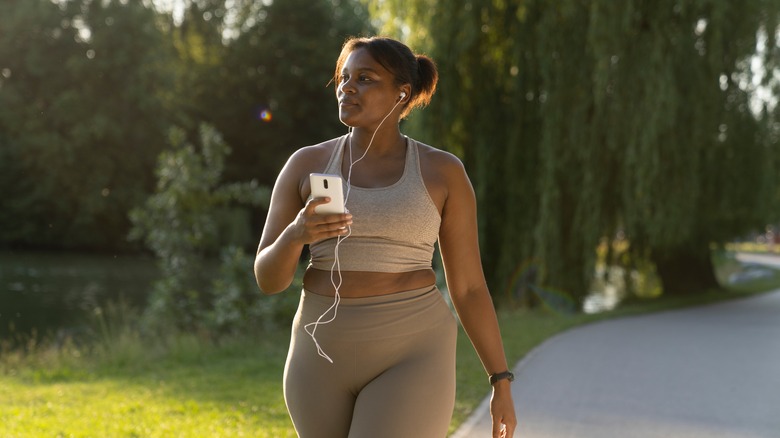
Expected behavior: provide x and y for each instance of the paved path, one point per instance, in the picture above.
(772, 260)
(706, 372)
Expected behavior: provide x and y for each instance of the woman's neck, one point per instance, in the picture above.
(386, 141)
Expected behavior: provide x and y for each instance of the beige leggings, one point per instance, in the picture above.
(393, 370)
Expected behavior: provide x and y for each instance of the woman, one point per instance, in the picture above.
(372, 352)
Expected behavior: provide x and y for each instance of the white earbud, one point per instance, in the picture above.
(403, 95)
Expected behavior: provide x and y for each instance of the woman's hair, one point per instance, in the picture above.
(417, 70)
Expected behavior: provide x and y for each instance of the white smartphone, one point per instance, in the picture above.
(322, 186)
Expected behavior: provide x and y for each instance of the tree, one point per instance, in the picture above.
(89, 88)
(259, 73)
(28, 87)
(83, 112)
(693, 154)
(578, 120)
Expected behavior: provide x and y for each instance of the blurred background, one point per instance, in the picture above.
(619, 150)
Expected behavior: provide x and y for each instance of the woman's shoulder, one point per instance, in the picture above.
(304, 161)
(315, 153)
(439, 160)
(312, 158)
(309, 159)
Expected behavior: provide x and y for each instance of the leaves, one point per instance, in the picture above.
(180, 223)
(82, 115)
(581, 120)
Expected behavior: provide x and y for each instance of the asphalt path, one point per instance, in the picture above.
(704, 372)
(759, 259)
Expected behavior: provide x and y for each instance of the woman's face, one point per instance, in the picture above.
(366, 91)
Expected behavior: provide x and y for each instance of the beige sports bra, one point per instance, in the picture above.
(394, 228)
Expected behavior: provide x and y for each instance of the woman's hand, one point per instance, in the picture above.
(309, 226)
(502, 410)
(282, 241)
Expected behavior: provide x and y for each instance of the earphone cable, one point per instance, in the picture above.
(336, 267)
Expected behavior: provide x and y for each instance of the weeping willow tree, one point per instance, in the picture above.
(578, 120)
(696, 161)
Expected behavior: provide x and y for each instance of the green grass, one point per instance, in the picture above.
(193, 389)
(753, 247)
(125, 386)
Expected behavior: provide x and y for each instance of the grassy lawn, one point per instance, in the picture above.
(182, 386)
(193, 389)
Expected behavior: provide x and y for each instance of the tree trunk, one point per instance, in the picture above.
(685, 271)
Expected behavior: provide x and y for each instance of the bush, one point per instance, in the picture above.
(180, 223)
(238, 304)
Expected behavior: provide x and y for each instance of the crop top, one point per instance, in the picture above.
(394, 228)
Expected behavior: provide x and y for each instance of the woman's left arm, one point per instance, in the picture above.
(459, 246)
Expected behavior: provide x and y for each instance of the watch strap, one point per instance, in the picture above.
(500, 376)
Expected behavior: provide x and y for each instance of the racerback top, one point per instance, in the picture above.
(394, 228)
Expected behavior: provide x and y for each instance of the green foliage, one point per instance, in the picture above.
(575, 119)
(579, 121)
(88, 90)
(276, 57)
(180, 225)
(239, 306)
(83, 114)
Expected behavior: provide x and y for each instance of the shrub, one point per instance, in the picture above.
(180, 224)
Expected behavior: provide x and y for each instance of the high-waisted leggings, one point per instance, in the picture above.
(393, 370)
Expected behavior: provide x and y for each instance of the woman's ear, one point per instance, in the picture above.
(405, 93)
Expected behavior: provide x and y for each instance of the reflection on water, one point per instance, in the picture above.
(54, 292)
(612, 284)
(602, 300)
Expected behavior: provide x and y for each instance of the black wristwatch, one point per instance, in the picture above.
(499, 376)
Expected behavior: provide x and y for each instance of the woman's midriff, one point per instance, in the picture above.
(356, 284)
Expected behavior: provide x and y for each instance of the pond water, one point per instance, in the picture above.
(52, 293)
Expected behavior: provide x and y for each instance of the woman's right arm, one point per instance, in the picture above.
(290, 225)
